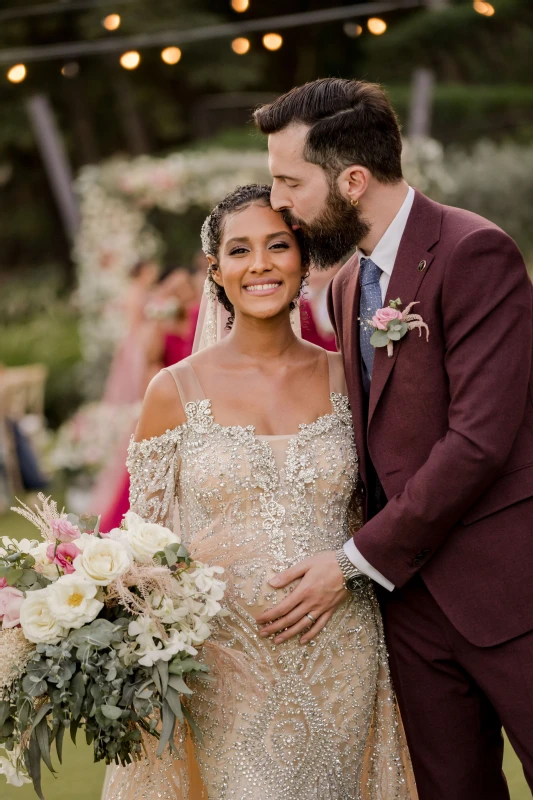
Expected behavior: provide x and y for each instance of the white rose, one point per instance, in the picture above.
(43, 563)
(38, 623)
(101, 561)
(146, 538)
(84, 540)
(73, 602)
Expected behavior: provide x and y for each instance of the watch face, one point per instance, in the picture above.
(353, 584)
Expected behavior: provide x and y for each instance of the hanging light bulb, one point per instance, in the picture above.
(486, 9)
(171, 55)
(376, 26)
(240, 46)
(130, 60)
(352, 29)
(70, 70)
(111, 22)
(272, 41)
(17, 73)
(240, 5)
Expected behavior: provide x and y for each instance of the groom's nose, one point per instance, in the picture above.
(279, 197)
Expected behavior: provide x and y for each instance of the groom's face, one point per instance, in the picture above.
(311, 200)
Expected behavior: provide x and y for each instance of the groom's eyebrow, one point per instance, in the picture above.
(284, 178)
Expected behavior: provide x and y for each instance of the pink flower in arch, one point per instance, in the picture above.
(383, 316)
(63, 555)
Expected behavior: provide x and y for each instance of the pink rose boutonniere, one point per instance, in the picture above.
(390, 325)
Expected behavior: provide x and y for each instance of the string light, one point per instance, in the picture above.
(171, 55)
(130, 60)
(376, 26)
(240, 46)
(352, 29)
(17, 73)
(70, 70)
(272, 41)
(486, 9)
(111, 22)
(240, 5)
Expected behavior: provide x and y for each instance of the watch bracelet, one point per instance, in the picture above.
(348, 569)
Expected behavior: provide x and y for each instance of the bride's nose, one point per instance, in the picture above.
(261, 261)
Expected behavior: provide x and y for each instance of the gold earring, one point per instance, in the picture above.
(354, 203)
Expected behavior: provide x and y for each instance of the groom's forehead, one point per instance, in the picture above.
(286, 147)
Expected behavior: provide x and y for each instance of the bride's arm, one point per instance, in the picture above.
(153, 455)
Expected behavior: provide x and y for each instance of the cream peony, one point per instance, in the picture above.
(72, 601)
(102, 560)
(38, 623)
(42, 563)
(146, 538)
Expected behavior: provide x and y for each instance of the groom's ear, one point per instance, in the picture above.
(353, 182)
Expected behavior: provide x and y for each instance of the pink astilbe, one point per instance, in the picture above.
(43, 517)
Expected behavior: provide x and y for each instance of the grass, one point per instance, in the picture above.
(81, 779)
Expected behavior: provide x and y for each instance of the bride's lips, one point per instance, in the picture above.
(262, 289)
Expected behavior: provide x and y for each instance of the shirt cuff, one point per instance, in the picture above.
(359, 561)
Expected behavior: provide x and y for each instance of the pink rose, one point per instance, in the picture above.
(63, 555)
(384, 316)
(64, 530)
(10, 602)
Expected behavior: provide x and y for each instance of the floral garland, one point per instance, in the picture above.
(116, 196)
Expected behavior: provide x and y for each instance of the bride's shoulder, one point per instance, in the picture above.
(162, 409)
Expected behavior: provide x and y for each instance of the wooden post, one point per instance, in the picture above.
(55, 161)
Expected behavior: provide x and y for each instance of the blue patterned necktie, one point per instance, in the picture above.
(371, 300)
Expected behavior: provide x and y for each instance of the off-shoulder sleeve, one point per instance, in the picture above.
(153, 465)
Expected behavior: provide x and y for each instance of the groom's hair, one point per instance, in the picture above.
(350, 122)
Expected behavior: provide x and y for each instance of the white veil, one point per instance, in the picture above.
(212, 322)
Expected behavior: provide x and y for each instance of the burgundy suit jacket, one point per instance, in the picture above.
(449, 426)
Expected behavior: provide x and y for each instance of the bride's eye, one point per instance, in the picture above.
(280, 246)
(237, 251)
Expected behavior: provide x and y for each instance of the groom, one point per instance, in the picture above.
(444, 431)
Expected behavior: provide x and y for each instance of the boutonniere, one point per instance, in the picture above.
(390, 325)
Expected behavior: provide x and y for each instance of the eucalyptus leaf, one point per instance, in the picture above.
(379, 339)
(42, 733)
(162, 668)
(5, 710)
(170, 556)
(77, 689)
(74, 727)
(41, 714)
(194, 727)
(111, 712)
(179, 685)
(395, 336)
(157, 679)
(173, 699)
(33, 765)
(59, 742)
(167, 728)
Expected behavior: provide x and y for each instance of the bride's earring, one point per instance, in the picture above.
(354, 203)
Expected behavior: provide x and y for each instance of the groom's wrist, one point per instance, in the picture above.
(359, 561)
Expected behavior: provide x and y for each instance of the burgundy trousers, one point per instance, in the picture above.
(454, 698)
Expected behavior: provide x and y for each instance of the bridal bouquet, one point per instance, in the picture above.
(100, 632)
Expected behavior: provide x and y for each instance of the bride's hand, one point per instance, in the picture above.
(318, 594)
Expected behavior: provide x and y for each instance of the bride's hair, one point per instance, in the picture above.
(213, 229)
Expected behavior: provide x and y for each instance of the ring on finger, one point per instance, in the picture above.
(310, 616)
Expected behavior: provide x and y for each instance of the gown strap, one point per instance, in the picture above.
(337, 377)
(186, 382)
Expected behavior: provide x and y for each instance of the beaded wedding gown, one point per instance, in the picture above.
(291, 722)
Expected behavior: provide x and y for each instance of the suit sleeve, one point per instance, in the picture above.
(487, 326)
(336, 323)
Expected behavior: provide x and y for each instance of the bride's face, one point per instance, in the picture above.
(259, 262)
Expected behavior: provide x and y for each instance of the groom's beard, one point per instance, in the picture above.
(334, 233)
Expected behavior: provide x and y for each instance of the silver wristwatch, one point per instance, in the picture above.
(353, 577)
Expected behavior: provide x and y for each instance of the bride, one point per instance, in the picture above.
(247, 447)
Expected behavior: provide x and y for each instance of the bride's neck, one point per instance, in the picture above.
(262, 339)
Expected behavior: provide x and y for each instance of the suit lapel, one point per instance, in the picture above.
(412, 263)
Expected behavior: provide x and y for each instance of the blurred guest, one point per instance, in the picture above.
(316, 325)
(126, 384)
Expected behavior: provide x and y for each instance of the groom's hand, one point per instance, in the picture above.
(319, 593)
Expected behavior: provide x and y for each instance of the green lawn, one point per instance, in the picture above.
(81, 779)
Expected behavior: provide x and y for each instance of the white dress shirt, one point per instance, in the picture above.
(384, 256)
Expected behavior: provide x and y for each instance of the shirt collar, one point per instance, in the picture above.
(386, 250)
